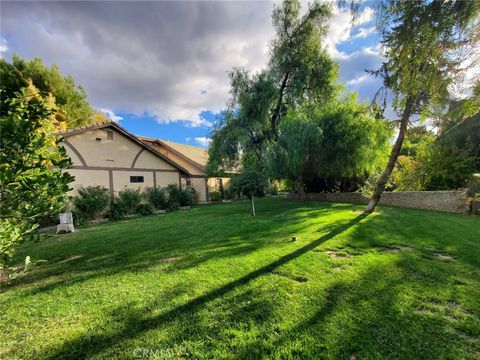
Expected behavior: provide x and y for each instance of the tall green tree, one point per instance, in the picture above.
(70, 98)
(299, 70)
(330, 147)
(32, 181)
(425, 45)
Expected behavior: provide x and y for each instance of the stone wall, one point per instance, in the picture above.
(449, 201)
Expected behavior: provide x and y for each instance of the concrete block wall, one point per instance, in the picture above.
(448, 201)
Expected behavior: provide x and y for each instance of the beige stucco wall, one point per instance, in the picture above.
(147, 160)
(199, 185)
(84, 178)
(121, 180)
(167, 178)
(119, 152)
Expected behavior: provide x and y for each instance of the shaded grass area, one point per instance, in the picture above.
(213, 282)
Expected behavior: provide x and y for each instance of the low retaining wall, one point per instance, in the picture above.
(449, 201)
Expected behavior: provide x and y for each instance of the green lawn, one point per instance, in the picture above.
(213, 282)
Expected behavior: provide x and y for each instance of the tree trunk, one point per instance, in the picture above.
(301, 190)
(253, 205)
(380, 187)
(278, 107)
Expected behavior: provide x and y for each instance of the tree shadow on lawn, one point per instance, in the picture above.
(426, 232)
(192, 248)
(92, 344)
(370, 317)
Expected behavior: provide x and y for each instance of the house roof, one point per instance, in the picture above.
(195, 155)
(120, 129)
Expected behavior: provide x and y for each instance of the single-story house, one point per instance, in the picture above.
(110, 156)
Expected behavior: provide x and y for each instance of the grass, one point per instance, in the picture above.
(213, 282)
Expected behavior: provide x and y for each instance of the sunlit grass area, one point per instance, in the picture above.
(213, 282)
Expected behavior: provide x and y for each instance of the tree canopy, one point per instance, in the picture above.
(250, 183)
(329, 147)
(69, 97)
(32, 181)
(299, 70)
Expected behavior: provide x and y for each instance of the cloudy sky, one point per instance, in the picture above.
(160, 68)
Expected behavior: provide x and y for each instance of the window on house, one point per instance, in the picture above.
(189, 182)
(136, 179)
(109, 135)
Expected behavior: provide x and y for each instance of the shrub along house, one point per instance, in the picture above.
(108, 155)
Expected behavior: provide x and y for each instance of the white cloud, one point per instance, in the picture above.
(468, 76)
(358, 80)
(110, 114)
(3, 46)
(203, 141)
(340, 28)
(365, 16)
(166, 59)
(364, 32)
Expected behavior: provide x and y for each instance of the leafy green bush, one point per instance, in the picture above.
(473, 192)
(129, 199)
(172, 204)
(48, 220)
(473, 188)
(229, 193)
(475, 206)
(215, 196)
(145, 209)
(79, 218)
(187, 196)
(92, 201)
(156, 197)
(173, 192)
(117, 211)
(180, 197)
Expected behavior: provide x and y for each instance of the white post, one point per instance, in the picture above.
(253, 205)
(66, 223)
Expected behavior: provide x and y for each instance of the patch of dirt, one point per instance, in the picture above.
(71, 258)
(443, 257)
(388, 250)
(170, 259)
(4, 277)
(394, 249)
(452, 304)
(424, 311)
(336, 255)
